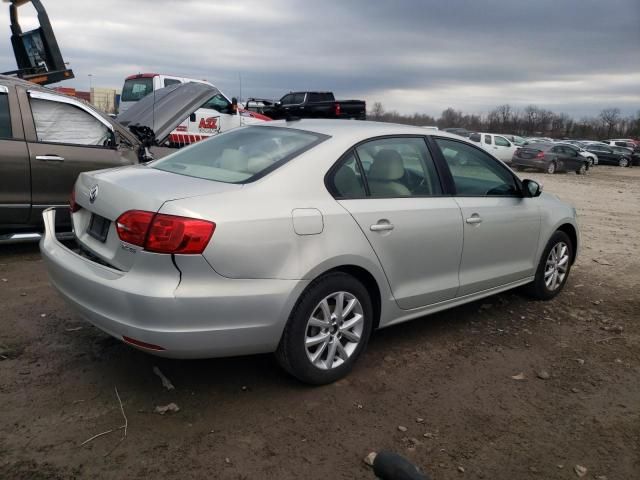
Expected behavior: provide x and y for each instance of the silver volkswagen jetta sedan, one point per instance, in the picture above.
(301, 238)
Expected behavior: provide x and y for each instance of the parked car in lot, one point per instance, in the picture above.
(497, 145)
(592, 157)
(316, 105)
(462, 132)
(608, 156)
(47, 139)
(623, 142)
(301, 238)
(515, 139)
(550, 158)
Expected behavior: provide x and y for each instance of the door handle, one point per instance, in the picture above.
(50, 158)
(474, 219)
(381, 227)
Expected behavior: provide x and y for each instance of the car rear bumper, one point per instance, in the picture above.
(179, 310)
(529, 162)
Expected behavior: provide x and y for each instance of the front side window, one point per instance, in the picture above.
(5, 117)
(58, 122)
(475, 173)
(399, 167)
(136, 88)
(502, 142)
(487, 139)
(241, 155)
(218, 102)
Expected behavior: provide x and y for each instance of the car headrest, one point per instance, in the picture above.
(234, 160)
(387, 165)
(257, 164)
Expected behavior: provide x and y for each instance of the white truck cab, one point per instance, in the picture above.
(218, 114)
(497, 145)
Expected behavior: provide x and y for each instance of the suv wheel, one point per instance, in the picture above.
(327, 330)
(553, 269)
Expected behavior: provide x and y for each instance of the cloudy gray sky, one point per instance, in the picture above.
(576, 56)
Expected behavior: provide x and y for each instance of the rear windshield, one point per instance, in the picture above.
(136, 88)
(240, 156)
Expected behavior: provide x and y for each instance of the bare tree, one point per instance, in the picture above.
(610, 118)
(378, 111)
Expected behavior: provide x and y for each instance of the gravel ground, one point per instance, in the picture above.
(448, 379)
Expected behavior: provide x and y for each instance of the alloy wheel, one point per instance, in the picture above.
(551, 168)
(557, 266)
(334, 330)
(623, 162)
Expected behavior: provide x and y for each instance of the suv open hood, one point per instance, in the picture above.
(155, 116)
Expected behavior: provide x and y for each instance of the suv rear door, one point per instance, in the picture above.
(15, 180)
(63, 138)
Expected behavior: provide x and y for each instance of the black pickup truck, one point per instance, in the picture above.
(313, 105)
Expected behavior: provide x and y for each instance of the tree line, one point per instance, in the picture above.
(530, 121)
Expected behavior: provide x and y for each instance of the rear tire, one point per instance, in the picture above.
(321, 342)
(551, 168)
(623, 162)
(553, 268)
(582, 170)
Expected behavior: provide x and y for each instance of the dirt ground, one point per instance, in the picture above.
(447, 378)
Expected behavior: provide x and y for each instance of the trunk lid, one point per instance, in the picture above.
(155, 116)
(104, 195)
(525, 152)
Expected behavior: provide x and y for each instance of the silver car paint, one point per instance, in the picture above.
(239, 294)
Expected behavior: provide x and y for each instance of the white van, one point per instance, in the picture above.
(218, 114)
(497, 145)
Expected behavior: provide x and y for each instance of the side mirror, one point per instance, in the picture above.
(234, 106)
(531, 188)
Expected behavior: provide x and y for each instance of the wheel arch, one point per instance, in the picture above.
(572, 233)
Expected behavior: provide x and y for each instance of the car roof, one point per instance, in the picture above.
(355, 128)
(10, 81)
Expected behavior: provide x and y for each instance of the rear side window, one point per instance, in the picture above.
(5, 117)
(240, 156)
(347, 181)
(487, 139)
(320, 97)
(475, 137)
(475, 173)
(170, 81)
(136, 88)
(399, 167)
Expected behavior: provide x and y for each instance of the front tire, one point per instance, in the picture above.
(551, 168)
(623, 162)
(582, 170)
(327, 330)
(553, 269)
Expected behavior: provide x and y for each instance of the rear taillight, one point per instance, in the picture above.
(73, 206)
(164, 233)
(337, 109)
(540, 155)
(132, 226)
